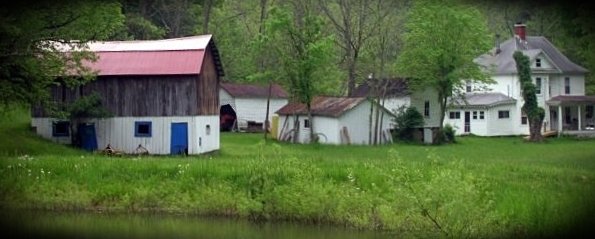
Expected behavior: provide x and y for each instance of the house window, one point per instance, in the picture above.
(538, 62)
(61, 129)
(455, 115)
(567, 116)
(503, 114)
(474, 115)
(524, 119)
(589, 109)
(208, 129)
(427, 108)
(538, 85)
(468, 87)
(567, 85)
(142, 129)
(481, 115)
(306, 123)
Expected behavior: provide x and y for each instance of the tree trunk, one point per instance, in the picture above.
(296, 128)
(376, 120)
(535, 129)
(313, 138)
(266, 118)
(206, 13)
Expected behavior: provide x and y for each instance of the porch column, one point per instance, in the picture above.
(559, 120)
(579, 117)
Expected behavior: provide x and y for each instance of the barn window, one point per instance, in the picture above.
(208, 129)
(538, 62)
(61, 129)
(306, 123)
(427, 108)
(481, 115)
(503, 114)
(142, 129)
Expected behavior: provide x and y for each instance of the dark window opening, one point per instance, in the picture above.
(538, 85)
(427, 109)
(567, 116)
(61, 129)
(503, 114)
(589, 113)
(142, 129)
(468, 87)
(481, 115)
(523, 120)
(474, 115)
(567, 85)
(455, 115)
(306, 123)
(538, 62)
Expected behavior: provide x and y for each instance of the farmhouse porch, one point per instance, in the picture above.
(572, 114)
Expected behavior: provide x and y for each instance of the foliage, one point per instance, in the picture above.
(448, 134)
(476, 188)
(407, 121)
(441, 41)
(535, 114)
(31, 55)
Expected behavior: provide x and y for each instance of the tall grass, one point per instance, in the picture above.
(480, 187)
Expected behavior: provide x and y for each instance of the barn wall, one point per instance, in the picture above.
(226, 99)
(208, 86)
(137, 96)
(119, 133)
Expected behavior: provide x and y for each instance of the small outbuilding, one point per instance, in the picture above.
(336, 120)
(243, 107)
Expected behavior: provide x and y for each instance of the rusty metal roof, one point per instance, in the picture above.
(392, 87)
(323, 106)
(253, 90)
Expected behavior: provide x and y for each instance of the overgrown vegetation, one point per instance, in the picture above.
(480, 187)
(407, 120)
(535, 114)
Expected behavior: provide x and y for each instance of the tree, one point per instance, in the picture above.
(535, 114)
(30, 56)
(303, 52)
(440, 44)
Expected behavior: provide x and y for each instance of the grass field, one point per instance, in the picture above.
(479, 187)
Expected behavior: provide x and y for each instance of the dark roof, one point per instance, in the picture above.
(488, 99)
(253, 90)
(503, 63)
(394, 87)
(571, 99)
(323, 106)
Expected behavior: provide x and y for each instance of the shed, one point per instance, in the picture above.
(163, 95)
(244, 106)
(336, 120)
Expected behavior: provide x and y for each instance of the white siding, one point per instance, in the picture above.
(226, 99)
(255, 109)
(418, 100)
(496, 126)
(119, 133)
(545, 63)
(393, 103)
(356, 121)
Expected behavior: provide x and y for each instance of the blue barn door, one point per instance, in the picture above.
(179, 138)
(87, 135)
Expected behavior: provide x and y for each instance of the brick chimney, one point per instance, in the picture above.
(520, 30)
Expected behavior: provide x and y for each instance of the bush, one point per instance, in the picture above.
(449, 134)
(407, 120)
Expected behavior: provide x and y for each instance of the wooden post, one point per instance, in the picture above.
(559, 120)
(579, 117)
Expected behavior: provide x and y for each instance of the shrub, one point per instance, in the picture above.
(449, 134)
(407, 119)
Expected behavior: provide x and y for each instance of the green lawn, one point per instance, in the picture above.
(479, 187)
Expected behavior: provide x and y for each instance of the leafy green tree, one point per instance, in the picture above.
(303, 51)
(31, 56)
(407, 120)
(535, 114)
(441, 41)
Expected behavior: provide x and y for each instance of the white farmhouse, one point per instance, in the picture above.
(336, 120)
(394, 94)
(244, 106)
(497, 111)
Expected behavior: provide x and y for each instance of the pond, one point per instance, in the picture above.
(36, 224)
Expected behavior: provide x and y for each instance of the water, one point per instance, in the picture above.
(43, 224)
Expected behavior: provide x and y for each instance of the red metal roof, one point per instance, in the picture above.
(323, 106)
(253, 90)
(148, 62)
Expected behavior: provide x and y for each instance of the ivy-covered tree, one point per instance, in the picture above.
(440, 43)
(535, 114)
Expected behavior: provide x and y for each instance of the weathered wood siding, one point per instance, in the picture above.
(208, 86)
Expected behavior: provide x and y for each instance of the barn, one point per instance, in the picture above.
(244, 106)
(163, 96)
(336, 120)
